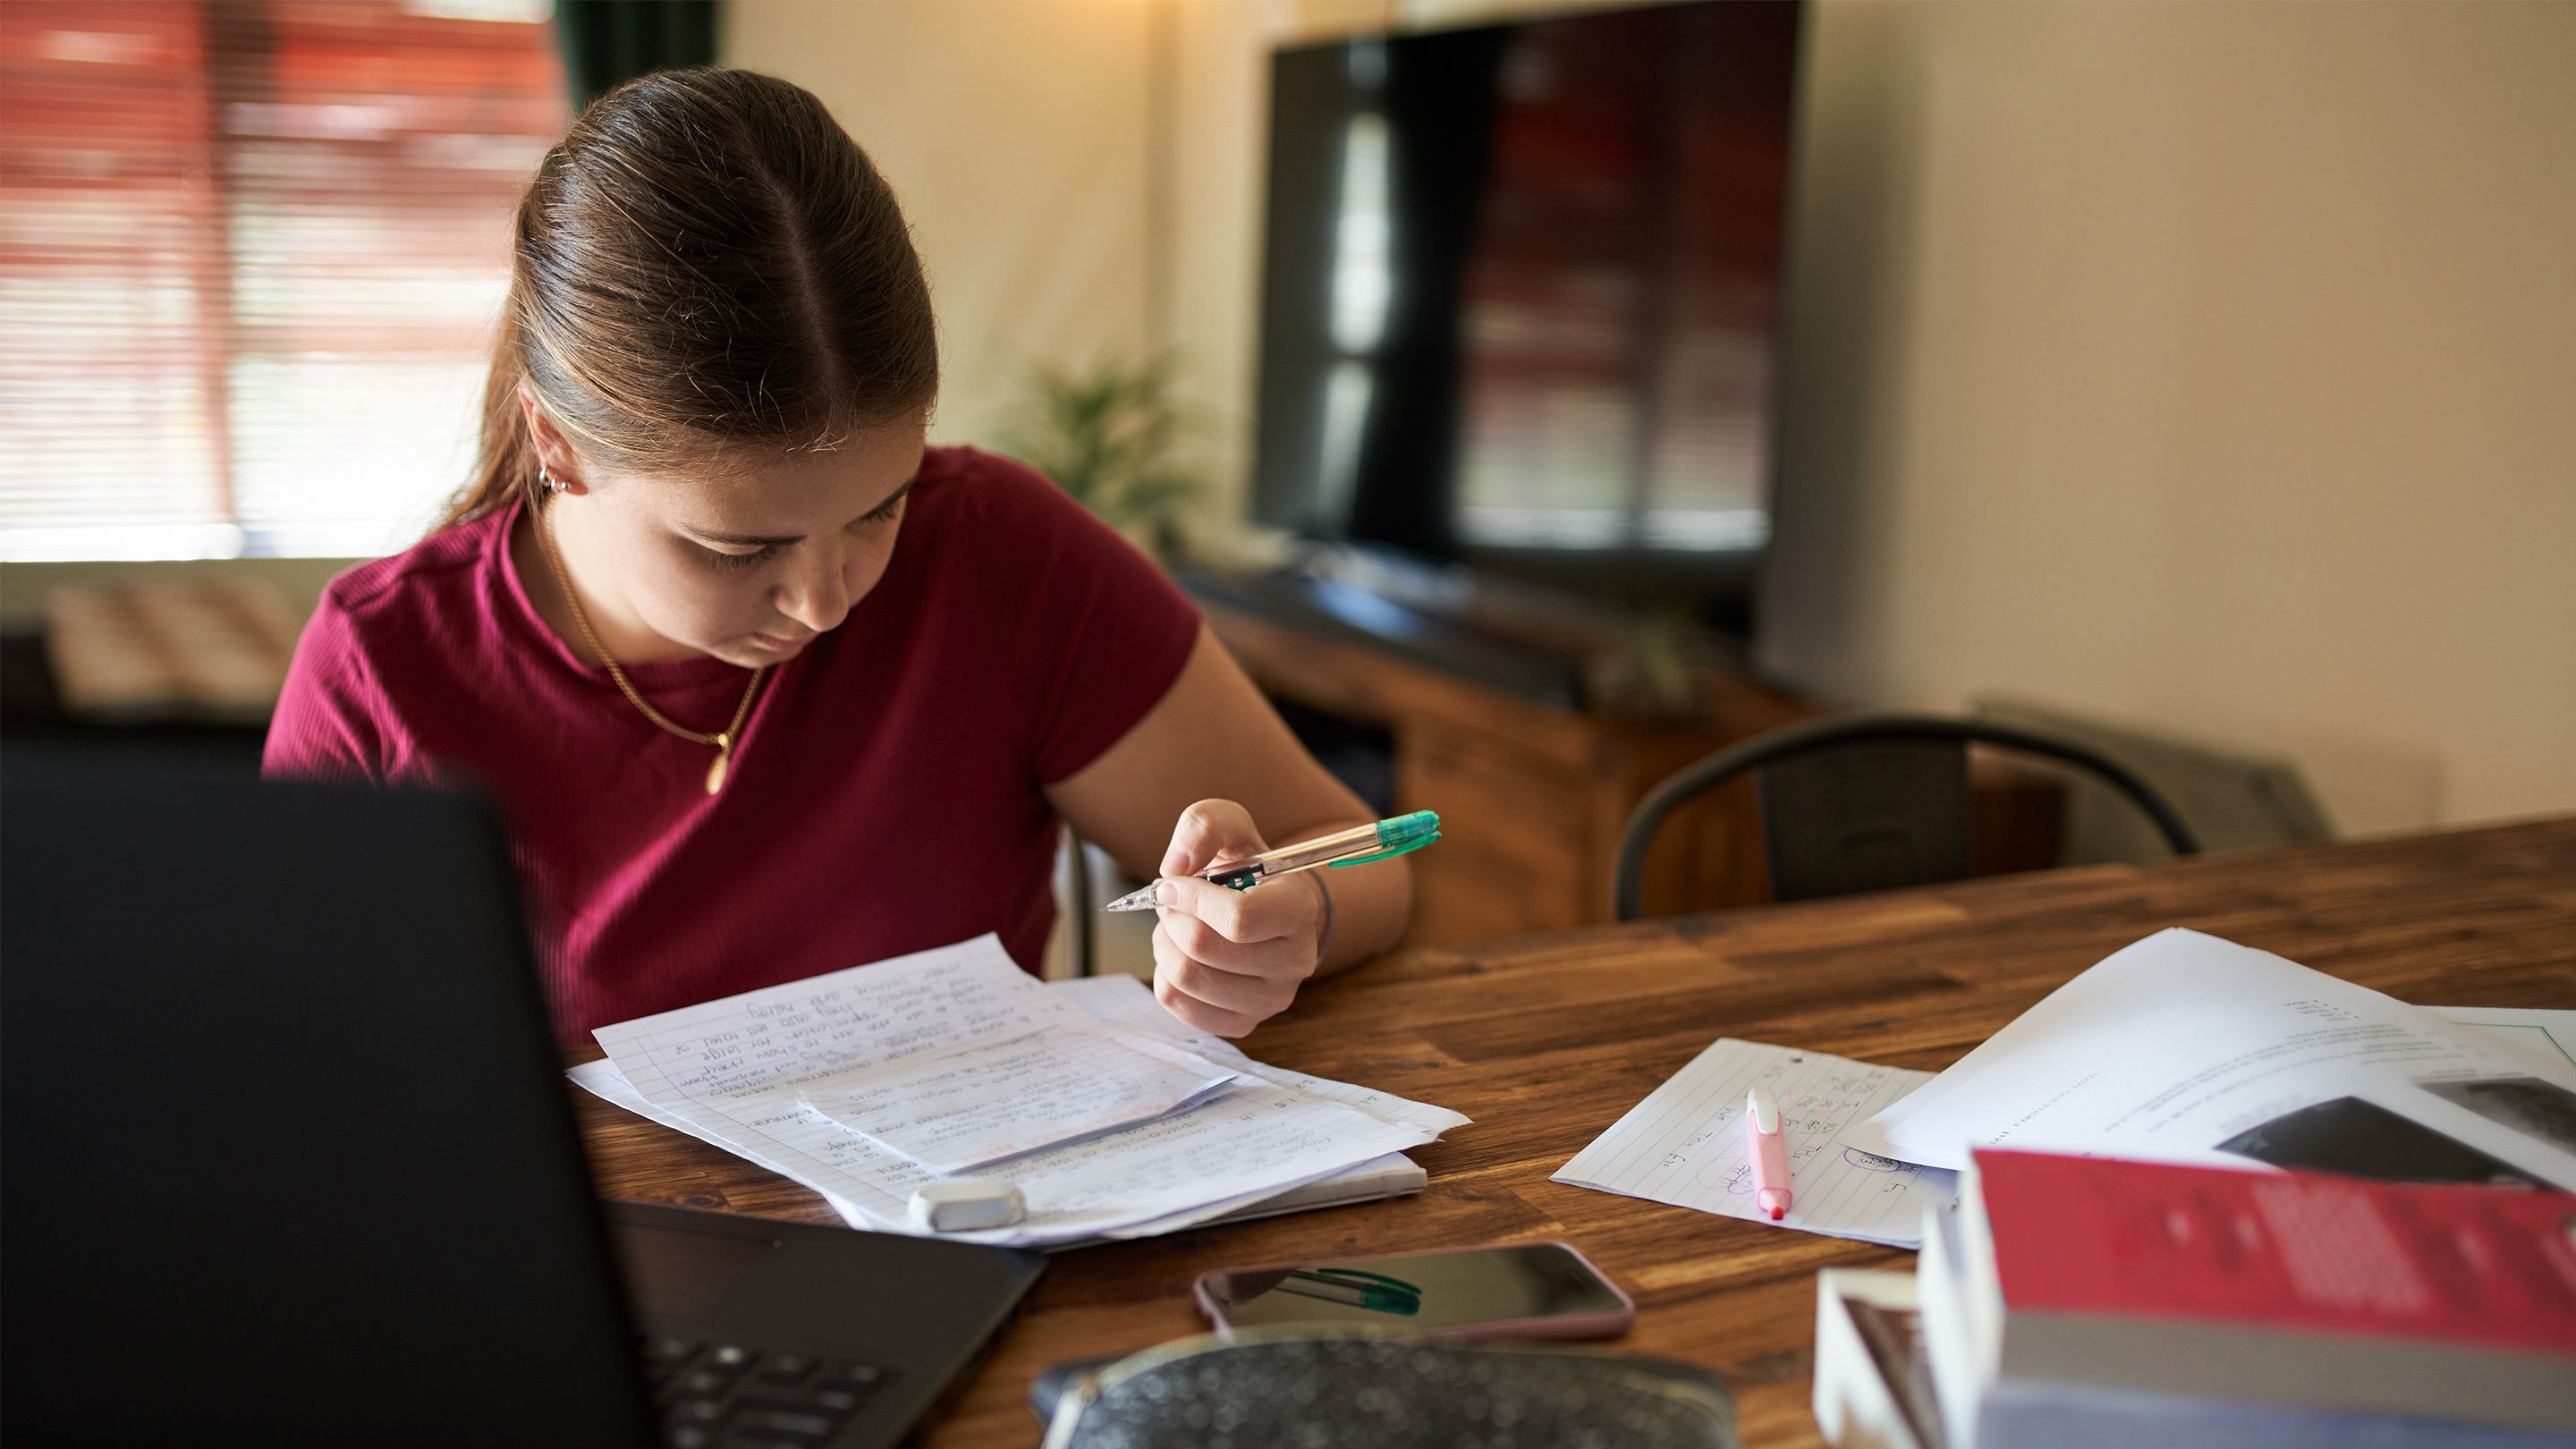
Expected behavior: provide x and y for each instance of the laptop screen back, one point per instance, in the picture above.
(288, 1158)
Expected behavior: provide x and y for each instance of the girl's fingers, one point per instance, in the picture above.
(1232, 914)
(1211, 1000)
(1210, 831)
(1287, 909)
(1200, 941)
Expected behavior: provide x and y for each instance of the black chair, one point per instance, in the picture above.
(1866, 802)
(1084, 940)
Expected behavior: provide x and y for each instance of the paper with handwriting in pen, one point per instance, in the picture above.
(1685, 1144)
(758, 1075)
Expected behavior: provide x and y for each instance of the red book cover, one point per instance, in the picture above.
(2466, 1265)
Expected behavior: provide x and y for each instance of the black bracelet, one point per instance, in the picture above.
(1324, 942)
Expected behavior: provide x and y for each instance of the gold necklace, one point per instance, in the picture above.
(722, 739)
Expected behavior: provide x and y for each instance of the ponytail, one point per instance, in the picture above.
(707, 270)
(505, 457)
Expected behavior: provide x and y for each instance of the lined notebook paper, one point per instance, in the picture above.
(1684, 1145)
(772, 1074)
(996, 1099)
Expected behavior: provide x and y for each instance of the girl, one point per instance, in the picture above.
(765, 686)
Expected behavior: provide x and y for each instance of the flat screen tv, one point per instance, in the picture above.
(1520, 296)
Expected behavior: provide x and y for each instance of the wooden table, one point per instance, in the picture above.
(1546, 1041)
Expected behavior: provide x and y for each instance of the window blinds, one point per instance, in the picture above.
(250, 256)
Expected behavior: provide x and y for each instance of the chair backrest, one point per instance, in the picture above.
(1082, 939)
(1866, 801)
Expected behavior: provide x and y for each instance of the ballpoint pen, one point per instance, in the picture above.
(1397, 836)
(1766, 1142)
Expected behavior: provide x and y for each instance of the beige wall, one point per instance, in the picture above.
(2203, 367)
(2208, 367)
(1083, 177)
(1014, 132)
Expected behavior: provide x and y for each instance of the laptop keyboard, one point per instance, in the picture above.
(727, 1396)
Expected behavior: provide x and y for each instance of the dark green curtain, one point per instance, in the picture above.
(608, 41)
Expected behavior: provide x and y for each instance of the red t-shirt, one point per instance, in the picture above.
(885, 796)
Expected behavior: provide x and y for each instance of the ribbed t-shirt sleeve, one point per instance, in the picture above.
(326, 723)
(1103, 632)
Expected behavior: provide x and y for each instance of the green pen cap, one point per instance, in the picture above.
(1400, 836)
(1418, 828)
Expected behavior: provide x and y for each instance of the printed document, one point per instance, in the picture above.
(2548, 1037)
(1685, 1145)
(2186, 1048)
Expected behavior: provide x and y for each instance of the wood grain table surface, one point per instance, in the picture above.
(1546, 1041)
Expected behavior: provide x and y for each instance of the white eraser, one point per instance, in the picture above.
(966, 1204)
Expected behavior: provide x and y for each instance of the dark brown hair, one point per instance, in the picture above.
(707, 269)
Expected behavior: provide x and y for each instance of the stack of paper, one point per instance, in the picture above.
(1113, 1119)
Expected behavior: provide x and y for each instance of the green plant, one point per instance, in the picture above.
(1107, 434)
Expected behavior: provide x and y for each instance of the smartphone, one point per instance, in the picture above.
(1524, 1290)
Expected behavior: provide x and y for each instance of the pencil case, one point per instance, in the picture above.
(1362, 1389)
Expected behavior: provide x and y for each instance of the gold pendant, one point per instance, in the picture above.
(716, 771)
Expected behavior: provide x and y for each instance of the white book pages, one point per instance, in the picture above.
(2548, 1038)
(2186, 1048)
(1858, 1404)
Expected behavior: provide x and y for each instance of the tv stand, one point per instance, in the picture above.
(1498, 731)
(1327, 607)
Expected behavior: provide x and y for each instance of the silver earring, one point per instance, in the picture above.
(547, 480)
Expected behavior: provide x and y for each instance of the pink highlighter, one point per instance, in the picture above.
(1767, 1145)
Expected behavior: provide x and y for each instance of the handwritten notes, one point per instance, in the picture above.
(864, 1017)
(997, 1099)
(1129, 1003)
(1684, 1144)
(760, 1075)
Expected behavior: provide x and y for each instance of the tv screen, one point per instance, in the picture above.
(1520, 294)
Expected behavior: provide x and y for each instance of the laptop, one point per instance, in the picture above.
(287, 1157)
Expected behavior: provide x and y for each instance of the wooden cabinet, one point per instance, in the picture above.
(1532, 796)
